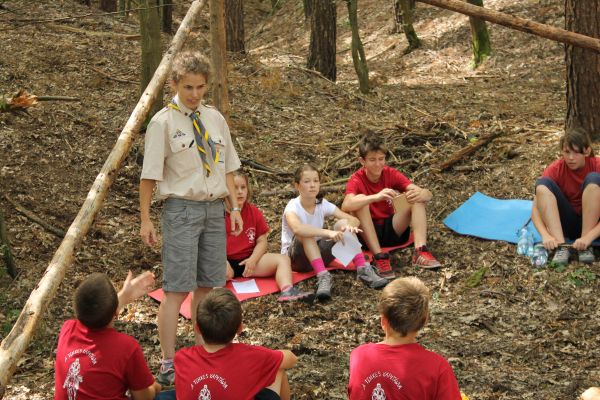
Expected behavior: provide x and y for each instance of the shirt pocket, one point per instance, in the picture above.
(183, 159)
(221, 151)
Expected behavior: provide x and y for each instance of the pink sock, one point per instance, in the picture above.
(318, 265)
(359, 260)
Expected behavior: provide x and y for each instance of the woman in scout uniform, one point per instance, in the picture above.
(190, 158)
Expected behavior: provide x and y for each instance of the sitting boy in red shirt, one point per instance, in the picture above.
(220, 369)
(93, 360)
(371, 193)
(399, 367)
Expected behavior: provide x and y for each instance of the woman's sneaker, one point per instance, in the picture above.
(294, 294)
(370, 278)
(586, 256)
(324, 286)
(383, 265)
(561, 256)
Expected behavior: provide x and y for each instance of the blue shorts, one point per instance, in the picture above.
(570, 220)
(194, 244)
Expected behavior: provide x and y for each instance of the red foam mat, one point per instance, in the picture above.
(268, 285)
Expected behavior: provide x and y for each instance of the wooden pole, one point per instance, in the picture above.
(520, 24)
(15, 344)
(218, 57)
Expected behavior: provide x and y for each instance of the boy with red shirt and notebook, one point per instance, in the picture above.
(399, 367)
(371, 193)
(221, 369)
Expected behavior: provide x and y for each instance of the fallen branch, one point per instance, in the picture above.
(520, 24)
(113, 78)
(35, 218)
(261, 167)
(466, 151)
(15, 343)
(93, 33)
(292, 192)
(22, 100)
(57, 98)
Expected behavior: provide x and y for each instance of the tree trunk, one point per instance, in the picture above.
(166, 13)
(151, 47)
(308, 6)
(219, 57)
(583, 69)
(480, 38)
(5, 249)
(321, 51)
(234, 19)
(14, 345)
(123, 8)
(358, 52)
(403, 19)
(108, 5)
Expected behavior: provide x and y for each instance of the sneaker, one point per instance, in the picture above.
(424, 259)
(294, 294)
(370, 278)
(383, 265)
(561, 256)
(166, 375)
(586, 256)
(324, 286)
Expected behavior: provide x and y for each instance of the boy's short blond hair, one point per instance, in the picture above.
(405, 304)
(190, 62)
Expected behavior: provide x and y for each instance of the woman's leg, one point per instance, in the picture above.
(547, 205)
(275, 264)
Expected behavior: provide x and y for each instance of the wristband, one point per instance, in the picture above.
(235, 209)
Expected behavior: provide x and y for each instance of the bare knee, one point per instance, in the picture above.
(340, 224)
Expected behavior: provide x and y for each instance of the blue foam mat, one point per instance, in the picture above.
(489, 218)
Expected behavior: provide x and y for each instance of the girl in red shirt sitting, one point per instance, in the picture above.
(247, 253)
(567, 199)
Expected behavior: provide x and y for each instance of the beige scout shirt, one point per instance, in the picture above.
(171, 158)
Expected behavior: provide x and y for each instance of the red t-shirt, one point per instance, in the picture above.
(236, 372)
(390, 179)
(409, 371)
(570, 181)
(97, 364)
(241, 247)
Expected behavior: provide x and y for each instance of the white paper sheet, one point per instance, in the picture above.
(346, 252)
(248, 286)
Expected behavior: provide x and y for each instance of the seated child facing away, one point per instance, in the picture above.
(370, 195)
(567, 199)
(247, 252)
(399, 367)
(220, 369)
(93, 360)
(308, 245)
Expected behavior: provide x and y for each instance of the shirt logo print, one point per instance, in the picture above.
(204, 394)
(178, 134)
(73, 379)
(378, 393)
(251, 234)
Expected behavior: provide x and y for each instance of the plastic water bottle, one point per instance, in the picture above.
(539, 256)
(523, 242)
(530, 244)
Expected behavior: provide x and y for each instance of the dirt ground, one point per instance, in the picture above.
(516, 333)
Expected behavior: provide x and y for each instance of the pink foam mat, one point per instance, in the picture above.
(268, 285)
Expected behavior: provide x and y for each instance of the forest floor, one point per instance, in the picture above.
(517, 333)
